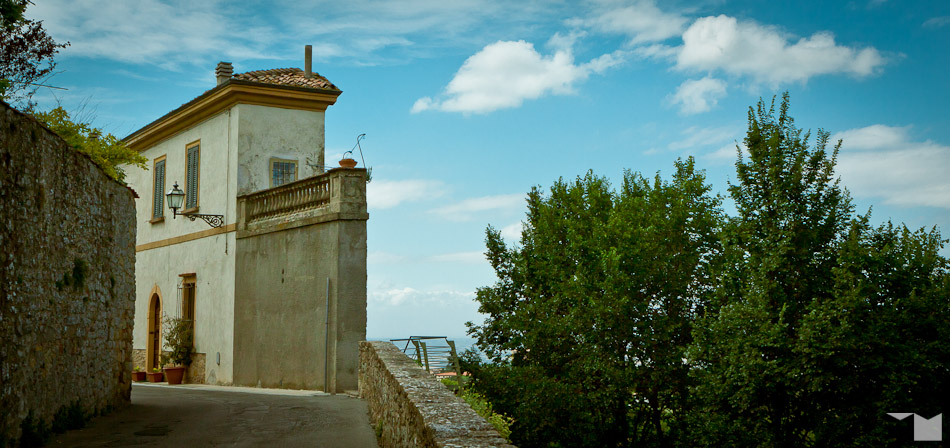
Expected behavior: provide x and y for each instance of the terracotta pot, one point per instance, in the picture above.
(138, 376)
(174, 375)
(154, 377)
(348, 163)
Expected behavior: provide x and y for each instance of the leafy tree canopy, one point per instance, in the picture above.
(644, 317)
(26, 53)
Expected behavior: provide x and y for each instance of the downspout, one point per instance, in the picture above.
(326, 344)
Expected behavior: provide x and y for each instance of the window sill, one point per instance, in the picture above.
(156, 220)
(188, 210)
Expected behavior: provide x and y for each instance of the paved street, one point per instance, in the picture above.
(198, 416)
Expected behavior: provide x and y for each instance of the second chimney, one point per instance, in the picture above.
(307, 61)
(223, 72)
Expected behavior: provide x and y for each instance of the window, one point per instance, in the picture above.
(158, 189)
(188, 291)
(191, 178)
(282, 171)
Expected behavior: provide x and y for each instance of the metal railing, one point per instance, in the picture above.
(436, 354)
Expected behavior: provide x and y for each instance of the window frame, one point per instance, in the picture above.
(160, 196)
(185, 208)
(270, 174)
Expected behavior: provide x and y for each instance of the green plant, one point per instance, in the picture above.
(156, 370)
(483, 407)
(179, 340)
(69, 417)
(106, 150)
(137, 369)
(34, 431)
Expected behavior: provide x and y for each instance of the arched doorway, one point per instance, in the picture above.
(153, 349)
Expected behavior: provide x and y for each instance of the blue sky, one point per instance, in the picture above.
(468, 104)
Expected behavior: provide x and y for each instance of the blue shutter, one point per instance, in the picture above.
(192, 178)
(158, 200)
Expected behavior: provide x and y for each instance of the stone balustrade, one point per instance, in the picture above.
(294, 197)
(337, 194)
(410, 408)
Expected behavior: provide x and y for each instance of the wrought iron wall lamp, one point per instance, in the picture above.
(175, 199)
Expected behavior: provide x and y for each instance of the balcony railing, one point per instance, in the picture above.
(342, 190)
(288, 199)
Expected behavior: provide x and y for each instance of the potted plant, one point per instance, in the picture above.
(179, 342)
(155, 376)
(138, 374)
(347, 161)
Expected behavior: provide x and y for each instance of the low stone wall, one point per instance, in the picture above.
(67, 260)
(410, 408)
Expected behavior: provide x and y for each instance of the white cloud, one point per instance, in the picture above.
(408, 295)
(876, 136)
(474, 257)
(380, 257)
(696, 137)
(382, 194)
(513, 231)
(725, 44)
(882, 161)
(698, 95)
(727, 152)
(641, 20)
(154, 32)
(465, 210)
(937, 22)
(506, 73)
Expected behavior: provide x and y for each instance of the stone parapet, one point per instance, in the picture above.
(339, 194)
(410, 408)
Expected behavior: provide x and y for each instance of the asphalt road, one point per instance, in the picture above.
(201, 416)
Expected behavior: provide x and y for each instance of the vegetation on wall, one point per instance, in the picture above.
(105, 150)
(644, 316)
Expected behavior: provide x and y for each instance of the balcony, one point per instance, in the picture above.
(337, 194)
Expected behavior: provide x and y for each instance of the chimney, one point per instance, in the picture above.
(307, 59)
(223, 72)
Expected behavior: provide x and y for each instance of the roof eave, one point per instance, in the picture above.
(234, 91)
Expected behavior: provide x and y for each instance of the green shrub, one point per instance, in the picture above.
(480, 404)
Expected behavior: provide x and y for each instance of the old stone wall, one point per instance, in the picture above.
(67, 248)
(410, 408)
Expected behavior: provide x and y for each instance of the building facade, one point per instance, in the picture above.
(275, 284)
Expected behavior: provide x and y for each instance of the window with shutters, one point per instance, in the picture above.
(158, 189)
(282, 171)
(193, 154)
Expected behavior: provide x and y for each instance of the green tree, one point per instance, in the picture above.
(26, 53)
(811, 337)
(596, 307)
(105, 150)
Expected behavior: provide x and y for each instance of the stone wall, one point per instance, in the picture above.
(67, 241)
(410, 408)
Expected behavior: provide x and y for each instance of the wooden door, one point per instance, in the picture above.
(154, 348)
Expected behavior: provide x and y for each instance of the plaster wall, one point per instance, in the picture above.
(160, 259)
(159, 269)
(281, 300)
(267, 132)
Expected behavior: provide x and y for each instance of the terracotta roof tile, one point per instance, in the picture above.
(293, 77)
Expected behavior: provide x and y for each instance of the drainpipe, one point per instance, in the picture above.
(326, 342)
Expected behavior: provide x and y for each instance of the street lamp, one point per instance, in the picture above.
(175, 199)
